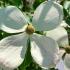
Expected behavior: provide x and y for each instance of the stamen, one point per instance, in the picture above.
(30, 29)
(67, 49)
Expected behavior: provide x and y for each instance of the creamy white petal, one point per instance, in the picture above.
(44, 51)
(12, 50)
(64, 24)
(52, 0)
(61, 53)
(60, 65)
(47, 16)
(67, 62)
(60, 35)
(12, 20)
(6, 68)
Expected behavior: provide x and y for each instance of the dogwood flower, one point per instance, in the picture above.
(44, 50)
(60, 35)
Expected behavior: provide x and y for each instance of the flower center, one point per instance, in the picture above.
(30, 29)
(67, 49)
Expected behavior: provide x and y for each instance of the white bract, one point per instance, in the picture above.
(60, 35)
(60, 65)
(67, 59)
(64, 24)
(65, 63)
(44, 50)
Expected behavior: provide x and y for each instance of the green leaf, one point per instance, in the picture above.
(16, 2)
(37, 2)
(65, 13)
(28, 58)
(1, 35)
